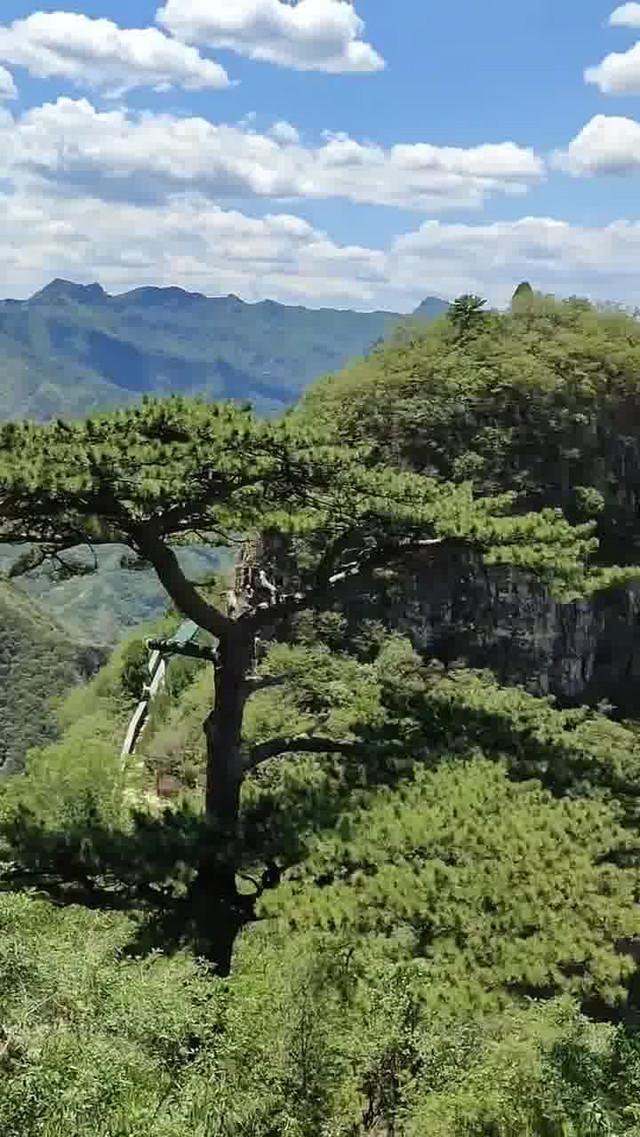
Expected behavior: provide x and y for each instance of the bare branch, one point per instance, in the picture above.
(335, 587)
(334, 554)
(298, 744)
(41, 552)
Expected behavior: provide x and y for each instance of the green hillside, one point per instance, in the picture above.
(72, 349)
(38, 661)
(102, 606)
(541, 401)
(441, 955)
(424, 918)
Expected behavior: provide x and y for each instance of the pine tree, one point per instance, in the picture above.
(466, 314)
(169, 472)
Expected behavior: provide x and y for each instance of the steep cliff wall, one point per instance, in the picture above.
(461, 611)
(584, 651)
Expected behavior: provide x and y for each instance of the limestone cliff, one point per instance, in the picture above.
(583, 651)
(462, 611)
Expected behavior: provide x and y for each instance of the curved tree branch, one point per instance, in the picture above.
(185, 596)
(299, 744)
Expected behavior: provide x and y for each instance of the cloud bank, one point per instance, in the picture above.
(118, 153)
(99, 54)
(311, 35)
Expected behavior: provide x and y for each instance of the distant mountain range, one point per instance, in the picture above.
(72, 349)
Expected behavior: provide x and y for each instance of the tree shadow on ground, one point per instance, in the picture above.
(151, 868)
(162, 869)
(146, 869)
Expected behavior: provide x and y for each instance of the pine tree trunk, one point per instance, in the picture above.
(216, 910)
(223, 733)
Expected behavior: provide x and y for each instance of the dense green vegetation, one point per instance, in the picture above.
(541, 400)
(441, 956)
(38, 661)
(73, 349)
(171, 471)
(431, 925)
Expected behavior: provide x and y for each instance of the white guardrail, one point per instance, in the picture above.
(157, 668)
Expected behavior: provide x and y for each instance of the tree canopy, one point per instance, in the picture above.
(541, 400)
(174, 470)
(170, 471)
(443, 926)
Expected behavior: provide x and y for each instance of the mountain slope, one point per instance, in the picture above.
(100, 607)
(38, 660)
(73, 348)
(430, 308)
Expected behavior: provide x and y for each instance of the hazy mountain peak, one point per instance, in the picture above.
(89, 349)
(431, 307)
(60, 289)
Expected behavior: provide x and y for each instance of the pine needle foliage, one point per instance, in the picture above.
(457, 879)
(177, 470)
(303, 1041)
(493, 885)
(420, 968)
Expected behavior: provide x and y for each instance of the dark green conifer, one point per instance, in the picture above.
(522, 296)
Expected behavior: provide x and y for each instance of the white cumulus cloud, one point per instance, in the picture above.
(618, 73)
(191, 242)
(188, 242)
(310, 35)
(607, 145)
(626, 16)
(491, 259)
(118, 153)
(7, 85)
(97, 53)
(284, 132)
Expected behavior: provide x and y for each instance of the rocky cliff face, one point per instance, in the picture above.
(463, 612)
(584, 651)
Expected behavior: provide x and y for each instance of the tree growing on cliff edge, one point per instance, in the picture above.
(522, 296)
(543, 400)
(173, 471)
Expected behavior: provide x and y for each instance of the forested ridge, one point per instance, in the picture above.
(73, 348)
(386, 896)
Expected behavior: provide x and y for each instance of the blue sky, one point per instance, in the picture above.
(358, 155)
